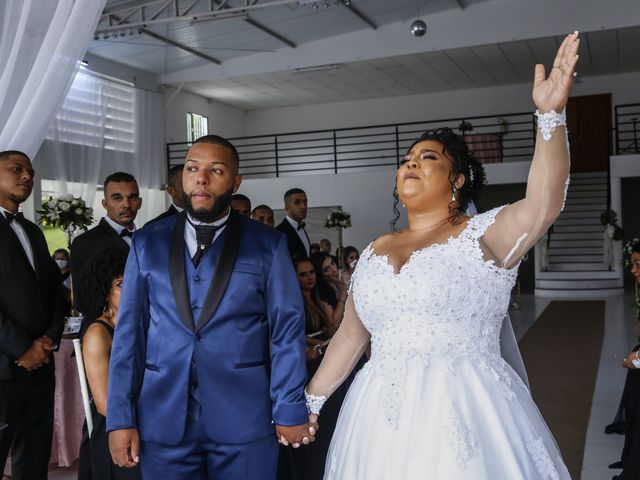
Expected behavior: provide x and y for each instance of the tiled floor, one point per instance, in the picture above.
(620, 335)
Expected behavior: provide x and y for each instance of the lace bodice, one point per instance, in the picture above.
(445, 300)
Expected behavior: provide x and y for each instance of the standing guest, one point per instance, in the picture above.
(263, 214)
(241, 205)
(122, 202)
(325, 245)
(349, 260)
(174, 189)
(31, 323)
(295, 204)
(61, 257)
(207, 365)
(101, 282)
(629, 411)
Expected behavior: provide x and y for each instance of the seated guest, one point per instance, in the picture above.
(295, 203)
(61, 257)
(174, 189)
(331, 288)
(349, 259)
(241, 205)
(263, 214)
(315, 248)
(325, 245)
(101, 283)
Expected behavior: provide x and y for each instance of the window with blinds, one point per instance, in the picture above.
(96, 112)
(197, 126)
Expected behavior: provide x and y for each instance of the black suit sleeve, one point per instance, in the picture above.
(15, 340)
(56, 296)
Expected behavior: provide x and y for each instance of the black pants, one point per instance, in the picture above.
(26, 405)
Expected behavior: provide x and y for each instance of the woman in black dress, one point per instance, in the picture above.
(101, 283)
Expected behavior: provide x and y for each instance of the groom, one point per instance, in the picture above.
(208, 359)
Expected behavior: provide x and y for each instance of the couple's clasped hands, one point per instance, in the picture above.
(298, 434)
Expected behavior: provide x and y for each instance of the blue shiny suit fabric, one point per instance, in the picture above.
(207, 359)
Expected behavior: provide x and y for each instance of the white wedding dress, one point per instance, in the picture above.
(437, 401)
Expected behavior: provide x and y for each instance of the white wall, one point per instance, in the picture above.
(442, 105)
(224, 120)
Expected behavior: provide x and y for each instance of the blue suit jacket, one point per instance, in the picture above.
(246, 332)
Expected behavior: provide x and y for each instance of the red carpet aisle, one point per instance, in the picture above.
(561, 352)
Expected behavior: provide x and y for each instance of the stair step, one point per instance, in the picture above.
(588, 188)
(577, 267)
(592, 220)
(577, 228)
(576, 236)
(580, 214)
(580, 283)
(574, 250)
(559, 243)
(574, 294)
(583, 275)
(586, 201)
(595, 208)
(600, 195)
(589, 175)
(564, 258)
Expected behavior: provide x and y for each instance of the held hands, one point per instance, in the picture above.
(298, 434)
(37, 355)
(552, 93)
(124, 446)
(628, 362)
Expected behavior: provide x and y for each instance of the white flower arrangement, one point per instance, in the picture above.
(338, 220)
(66, 212)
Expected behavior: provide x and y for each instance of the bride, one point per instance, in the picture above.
(437, 400)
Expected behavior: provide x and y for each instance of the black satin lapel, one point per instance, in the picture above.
(223, 269)
(177, 272)
(113, 236)
(11, 232)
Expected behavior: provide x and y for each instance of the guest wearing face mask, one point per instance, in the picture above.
(61, 257)
(349, 259)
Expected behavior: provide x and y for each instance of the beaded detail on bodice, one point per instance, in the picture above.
(445, 301)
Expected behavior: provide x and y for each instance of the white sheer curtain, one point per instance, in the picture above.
(41, 43)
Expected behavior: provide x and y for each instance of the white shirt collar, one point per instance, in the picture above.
(116, 226)
(177, 207)
(294, 223)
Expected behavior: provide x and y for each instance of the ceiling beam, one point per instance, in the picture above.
(270, 32)
(358, 13)
(461, 4)
(179, 45)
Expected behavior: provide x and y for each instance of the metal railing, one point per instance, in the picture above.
(627, 129)
(492, 138)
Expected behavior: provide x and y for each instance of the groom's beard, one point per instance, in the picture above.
(220, 206)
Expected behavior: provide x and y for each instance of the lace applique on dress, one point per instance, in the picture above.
(542, 460)
(461, 437)
(413, 315)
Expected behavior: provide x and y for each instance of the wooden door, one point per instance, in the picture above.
(589, 124)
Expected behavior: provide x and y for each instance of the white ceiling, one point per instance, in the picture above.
(602, 52)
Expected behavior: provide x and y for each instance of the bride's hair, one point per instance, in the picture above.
(462, 162)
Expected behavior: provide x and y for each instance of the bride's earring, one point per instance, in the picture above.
(453, 193)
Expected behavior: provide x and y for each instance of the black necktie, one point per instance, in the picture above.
(301, 225)
(126, 233)
(10, 216)
(204, 237)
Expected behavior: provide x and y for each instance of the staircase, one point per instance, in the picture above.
(576, 256)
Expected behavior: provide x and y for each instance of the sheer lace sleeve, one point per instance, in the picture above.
(345, 349)
(520, 225)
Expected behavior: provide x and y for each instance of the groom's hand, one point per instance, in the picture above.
(124, 446)
(294, 435)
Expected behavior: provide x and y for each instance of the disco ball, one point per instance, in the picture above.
(418, 28)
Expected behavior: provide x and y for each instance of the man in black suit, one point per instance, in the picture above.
(31, 323)
(295, 203)
(122, 202)
(174, 189)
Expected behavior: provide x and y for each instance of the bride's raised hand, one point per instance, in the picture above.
(552, 92)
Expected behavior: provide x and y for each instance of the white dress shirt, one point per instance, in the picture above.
(301, 233)
(119, 228)
(22, 236)
(190, 232)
